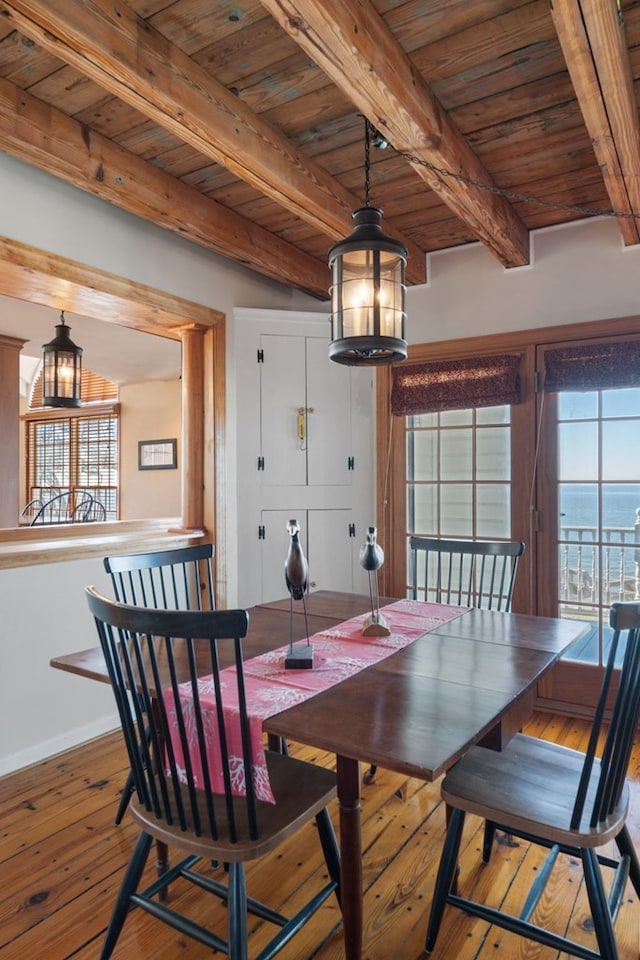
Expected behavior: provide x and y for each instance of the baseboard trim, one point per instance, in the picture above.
(50, 748)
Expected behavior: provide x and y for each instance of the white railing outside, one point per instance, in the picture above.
(585, 561)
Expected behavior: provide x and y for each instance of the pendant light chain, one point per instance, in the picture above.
(442, 172)
(367, 162)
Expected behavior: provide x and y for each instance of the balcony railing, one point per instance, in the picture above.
(599, 572)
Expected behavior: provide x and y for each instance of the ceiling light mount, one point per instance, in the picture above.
(378, 140)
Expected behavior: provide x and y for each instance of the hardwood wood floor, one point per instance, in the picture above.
(62, 857)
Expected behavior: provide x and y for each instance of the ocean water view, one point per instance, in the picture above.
(578, 504)
(586, 524)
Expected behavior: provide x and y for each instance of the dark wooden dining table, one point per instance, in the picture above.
(471, 680)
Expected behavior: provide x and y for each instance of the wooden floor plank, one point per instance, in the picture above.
(62, 861)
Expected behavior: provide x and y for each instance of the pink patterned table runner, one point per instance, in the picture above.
(338, 653)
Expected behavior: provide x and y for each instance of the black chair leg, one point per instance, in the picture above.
(446, 874)
(489, 836)
(129, 885)
(329, 847)
(129, 787)
(369, 776)
(278, 744)
(237, 927)
(602, 923)
(127, 791)
(627, 849)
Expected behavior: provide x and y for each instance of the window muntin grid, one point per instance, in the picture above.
(72, 454)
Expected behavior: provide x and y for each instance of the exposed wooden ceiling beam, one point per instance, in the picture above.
(353, 46)
(126, 56)
(52, 281)
(46, 138)
(592, 38)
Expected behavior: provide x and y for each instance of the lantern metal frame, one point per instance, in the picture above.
(375, 263)
(62, 369)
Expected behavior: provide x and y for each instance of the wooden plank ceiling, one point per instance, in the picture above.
(239, 125)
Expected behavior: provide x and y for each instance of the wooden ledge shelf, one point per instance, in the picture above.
(30, 546)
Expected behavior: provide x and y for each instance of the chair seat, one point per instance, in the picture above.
(301, 790)
(531, 787)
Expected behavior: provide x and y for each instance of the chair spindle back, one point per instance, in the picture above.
(66, 507)
(180, 579)
(154, 652)
(624, 619)
(475, 573)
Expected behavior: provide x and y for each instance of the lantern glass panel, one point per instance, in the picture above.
(370, 279)
(59, 374)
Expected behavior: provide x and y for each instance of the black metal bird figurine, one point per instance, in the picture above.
(371, 559)
(296, 575)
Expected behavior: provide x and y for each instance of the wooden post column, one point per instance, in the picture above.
(192, 459)
(10, 430)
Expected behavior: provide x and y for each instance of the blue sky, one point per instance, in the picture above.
(578, 436)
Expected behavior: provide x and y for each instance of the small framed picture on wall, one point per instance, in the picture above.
(157, 454)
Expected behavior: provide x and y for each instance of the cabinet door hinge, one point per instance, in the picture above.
(537, 382)
(351, 463)
(260, 463)
(260, 356)
(261, 533)
(352, 529)
(535, 516)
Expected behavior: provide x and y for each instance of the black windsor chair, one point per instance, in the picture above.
(92, 512)
(151, 652)
(66, 507)
(571, 802)
(31, 508)
(472, 573)
(179, 579)
(467, 573)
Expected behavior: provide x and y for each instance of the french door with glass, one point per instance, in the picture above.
(588, 510)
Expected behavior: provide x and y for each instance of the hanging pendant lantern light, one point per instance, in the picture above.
(62, 369)
(368, 289)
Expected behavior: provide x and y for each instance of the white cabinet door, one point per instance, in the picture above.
(331, 549)
(272, 547)
(327, 543)
(305, 413)
(329, 417)
(283, 393)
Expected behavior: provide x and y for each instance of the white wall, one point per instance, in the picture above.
(578, 273)
(150, 411)
(44, 614)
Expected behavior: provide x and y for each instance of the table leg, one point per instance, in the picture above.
(348, 773)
